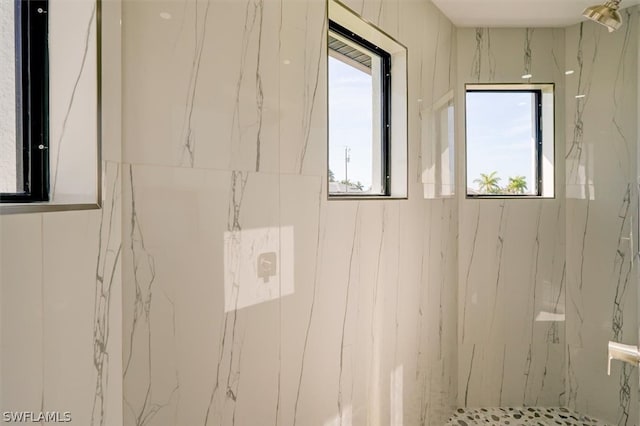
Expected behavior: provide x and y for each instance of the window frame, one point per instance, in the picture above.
(385, 111)
(539, 90)
(32, 101)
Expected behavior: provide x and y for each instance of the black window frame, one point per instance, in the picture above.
(32, 101)
(385, 134)
(537, 122)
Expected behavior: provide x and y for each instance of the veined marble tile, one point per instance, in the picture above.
(436, 332)
(82, 314)
(64, 355)
(511, 260)
(180, 276)
(340, 343)
(60, 280)
(511, 310)
(73, 115)
(211, 114)
(600, 116)
(437, 318)
(303, 87)
(601, 110)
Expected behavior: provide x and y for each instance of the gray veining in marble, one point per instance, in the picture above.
(141, 329)
(349, 278)
(312, 66)
(468, 273)
(188, 133)
(527, 51)
(483, 56)
(230, 345)
(510, 265)
(318, 256)
(110, 249)
(83, 63)
(600, 174)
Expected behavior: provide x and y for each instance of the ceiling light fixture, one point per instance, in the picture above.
(606, 14)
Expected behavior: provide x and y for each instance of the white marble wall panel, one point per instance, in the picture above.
(212, 72)
(436, 327)
(327, 351)
(602, 213)
(512, 270)
(73, 115)
(437, 340)
(303, 87)
(175, 279)
(367, 336)
(86, 383)
(21, 360)
(61, 324)
(511, 252)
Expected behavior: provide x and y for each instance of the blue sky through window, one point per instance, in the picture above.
(350, 122)
(500, 136)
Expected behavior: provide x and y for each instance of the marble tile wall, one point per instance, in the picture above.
(511, 252)
(60, 312)
(601, 208)
(60, 273)
(361, 322)
(569, 256)
(224, 123)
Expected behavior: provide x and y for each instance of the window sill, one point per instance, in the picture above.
(364, 197)
(22, 208)
(509, 197)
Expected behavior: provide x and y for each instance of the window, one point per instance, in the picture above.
(509, 140)
(359, 85)
(24, 101)
(367, 131)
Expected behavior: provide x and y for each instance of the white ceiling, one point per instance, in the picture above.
(517, 13)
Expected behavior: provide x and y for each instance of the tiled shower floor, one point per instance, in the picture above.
(520, 416)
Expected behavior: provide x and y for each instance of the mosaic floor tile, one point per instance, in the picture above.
(520, 416)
